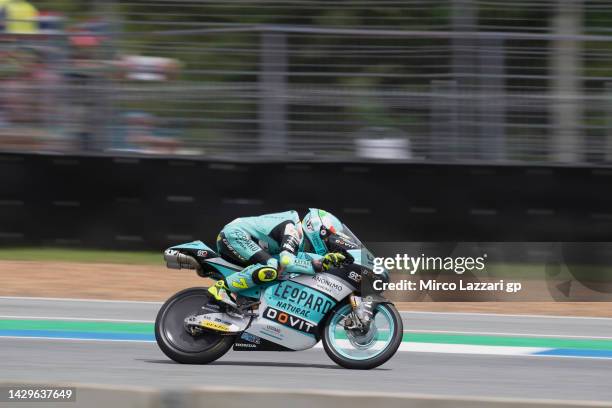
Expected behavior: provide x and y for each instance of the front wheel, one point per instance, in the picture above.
(179, 344)
(363, 350)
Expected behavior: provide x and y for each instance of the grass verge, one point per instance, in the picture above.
(81, 256)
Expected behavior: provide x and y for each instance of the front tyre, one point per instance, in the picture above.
(176, 342)
(363, 350)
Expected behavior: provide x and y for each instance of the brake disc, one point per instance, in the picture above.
(362, 339)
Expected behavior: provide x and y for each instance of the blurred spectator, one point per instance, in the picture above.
(18, 17)
(50, 22)
(144, 68)
(88, 80)
(27, 84)
(141, 136)
(27, 89)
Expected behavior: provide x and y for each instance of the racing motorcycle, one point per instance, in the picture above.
(290, 314)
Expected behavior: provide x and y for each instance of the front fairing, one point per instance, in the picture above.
(346, 241)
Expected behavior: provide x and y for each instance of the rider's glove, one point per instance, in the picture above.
(332, 260)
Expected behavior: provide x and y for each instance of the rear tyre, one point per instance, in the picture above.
(176, 342)
(363, 351)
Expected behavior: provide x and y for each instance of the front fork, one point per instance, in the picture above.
(362, 313)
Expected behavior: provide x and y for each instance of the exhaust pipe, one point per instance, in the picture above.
(177, 260)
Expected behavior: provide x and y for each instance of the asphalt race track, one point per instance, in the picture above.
(453, 354)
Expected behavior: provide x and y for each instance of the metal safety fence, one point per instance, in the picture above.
(413, 80)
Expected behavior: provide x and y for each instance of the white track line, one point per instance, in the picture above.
(511, 315)
(75, 339)
(565, 336)
(456, 348)
(412, 347)
(469, 349)
(78, 300)
(83, 319)
(479, 333)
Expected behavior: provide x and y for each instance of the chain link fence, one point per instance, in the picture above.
(486, 81)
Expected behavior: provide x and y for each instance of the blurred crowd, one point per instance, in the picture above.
(57, 86)
(414, 80)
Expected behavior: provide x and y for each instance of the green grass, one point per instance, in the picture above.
(81, 255)
(71, 325)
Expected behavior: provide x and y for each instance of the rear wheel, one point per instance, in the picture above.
(179, 344)
(363, 349)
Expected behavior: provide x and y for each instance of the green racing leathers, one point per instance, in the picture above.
(266, 245)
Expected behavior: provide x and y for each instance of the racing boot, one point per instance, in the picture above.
(362, 309)
(220, 292)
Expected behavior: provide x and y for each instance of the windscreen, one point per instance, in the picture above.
(346, 231)
(346, 242)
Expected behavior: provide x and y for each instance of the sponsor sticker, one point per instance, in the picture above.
(272, 331)
(289, 320)
(299, 297)
(354, 276)
(326, 284)
(215, 326)
(250, 338)
(248, 345)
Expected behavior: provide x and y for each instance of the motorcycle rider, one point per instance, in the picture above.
(270, 244)
(267, 245)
